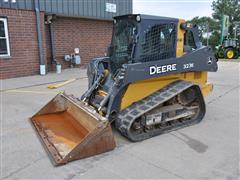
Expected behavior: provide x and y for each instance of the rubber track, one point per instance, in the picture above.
(126, 117)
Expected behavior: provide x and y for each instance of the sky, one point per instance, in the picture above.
(185, 9)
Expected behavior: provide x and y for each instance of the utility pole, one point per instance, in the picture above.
(207, 34)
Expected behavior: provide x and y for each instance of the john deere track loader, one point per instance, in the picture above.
(153, 81)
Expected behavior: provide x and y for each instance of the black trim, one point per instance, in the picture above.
(203, 60)
(195, 32)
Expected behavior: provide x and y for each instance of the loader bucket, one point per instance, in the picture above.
(71, 130)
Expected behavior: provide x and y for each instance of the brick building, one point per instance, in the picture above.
(41, 32)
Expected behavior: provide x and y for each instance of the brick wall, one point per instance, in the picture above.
(91, 36)
(24, 58)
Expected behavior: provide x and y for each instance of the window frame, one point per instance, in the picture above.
(5, 22)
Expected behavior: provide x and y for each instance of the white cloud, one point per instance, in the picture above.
(186, 9)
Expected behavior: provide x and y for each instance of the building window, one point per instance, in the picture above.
(4, 39)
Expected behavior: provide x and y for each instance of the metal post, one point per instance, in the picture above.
(222, 29)
(39, 34)
(235, 32)
(52, 39)
(207, 34)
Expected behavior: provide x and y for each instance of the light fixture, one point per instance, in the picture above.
(76, 50)
(138, 18)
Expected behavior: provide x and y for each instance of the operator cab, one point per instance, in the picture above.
(142, 38)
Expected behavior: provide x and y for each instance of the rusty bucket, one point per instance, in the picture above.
(70, 130)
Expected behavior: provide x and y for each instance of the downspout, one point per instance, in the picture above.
(39, 34)
(52, 40)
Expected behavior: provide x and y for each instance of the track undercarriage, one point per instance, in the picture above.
(178, 105)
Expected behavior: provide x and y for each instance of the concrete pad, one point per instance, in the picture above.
(38, 79)
(207, 150)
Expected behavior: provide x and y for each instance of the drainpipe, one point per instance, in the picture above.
(52, 39)
(39, 34)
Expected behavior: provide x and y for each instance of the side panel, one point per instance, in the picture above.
(141, 89)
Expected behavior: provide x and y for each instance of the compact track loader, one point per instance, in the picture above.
(153, 81)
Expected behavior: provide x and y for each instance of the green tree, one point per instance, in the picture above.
(208, 25)
(226, 7)
(214, 39)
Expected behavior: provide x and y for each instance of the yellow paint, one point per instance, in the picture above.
(34, 92)
(180, 39)
(207, 89)
(106, 72)
(141, 89)
(230, 54)
(101, 93)
(54, 86)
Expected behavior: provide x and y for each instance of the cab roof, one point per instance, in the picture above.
(147, 17)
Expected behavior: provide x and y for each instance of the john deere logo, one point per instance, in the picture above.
(162, 69)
